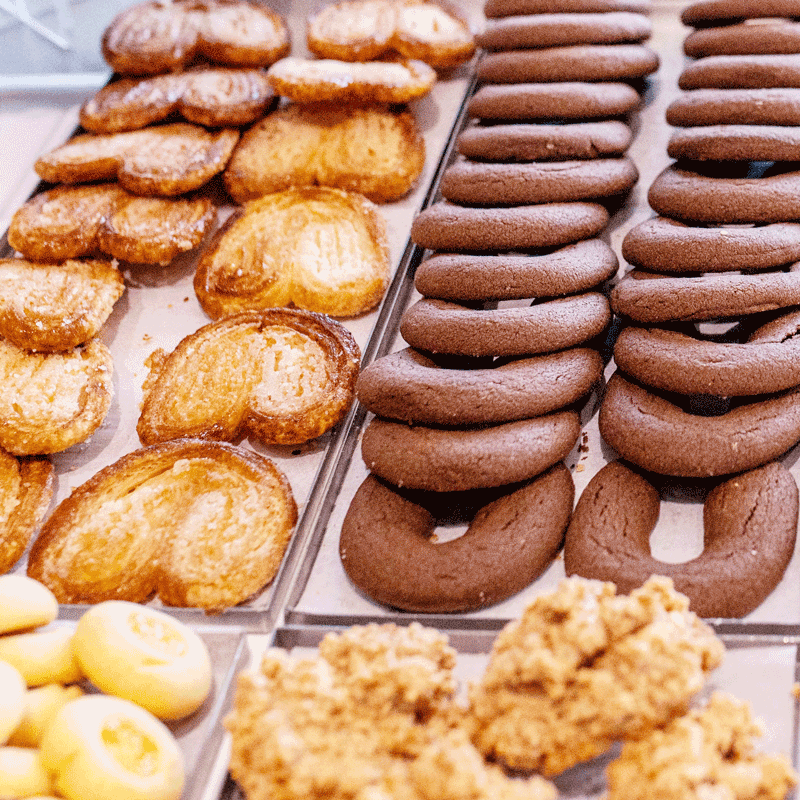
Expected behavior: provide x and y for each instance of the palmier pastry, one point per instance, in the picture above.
(165, 160)
(261, 257)
(27, 488)
(72, 221)
(216, 98)
(154, 37)
(282, 376)
(197, 523)
(330, 81)
(55, 307)
(364, 30)
(374, 151)
(51, 401)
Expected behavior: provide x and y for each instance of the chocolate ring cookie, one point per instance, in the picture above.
(649, 298)
(513, 8)
(735, 107)
(766, 363)
(667, 245)
(543, 142)
(742, 72)
(683, 194)
(778, 36)
(446, 460)
(736, 143)
(490, 184)
(556, 30)
(750, 527)
(590, 62)
(653, 433)
(446, 226)
(569, 270)
(441, 327)
(715, 12)
(570, 100)
(388, 552)
(410, 387)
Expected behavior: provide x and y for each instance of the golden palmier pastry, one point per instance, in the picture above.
(165, 160)
(282, 376)
(374, 151)
(362, 30)
(216, 98)
(326, 80)
(261, 257)
(158, 36)
(72, 221)
(51, 401)
(27, 488)
(198, 523)
(53, 307)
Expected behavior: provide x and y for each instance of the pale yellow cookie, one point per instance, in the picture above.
(22, 773)
(12, 700)
(144, 655)
(41, 705)
(42, 656)
(25, 603)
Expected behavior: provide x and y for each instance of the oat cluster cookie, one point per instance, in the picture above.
(370, 717)
(708, 753)
(583, 668)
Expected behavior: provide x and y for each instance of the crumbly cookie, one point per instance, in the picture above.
(742, 72)
(777, 106)
(583, 668)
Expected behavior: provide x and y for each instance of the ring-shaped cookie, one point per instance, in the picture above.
(750, 527)
(446, 460)
(657, 435)
(481, 278)
(768, 362)
(569, 100)
(582, 62)
(682, 194)
(736, 143)
(668, 245)
(410, 387)
(742, 72)
(387, 550)
(649, 298)
(777, 36)
(491, 184)
(446, 226)
(735, 107)
(441, 327)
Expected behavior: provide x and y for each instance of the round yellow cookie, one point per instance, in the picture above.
(106, 748)
(12, 700)
(25, 603)
(42, 656)
(41, 705)
(22, 773)
(144, 655)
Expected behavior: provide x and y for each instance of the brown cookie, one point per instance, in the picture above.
(736, 143)
(742, 72)
(447, 460)
(543, 142)
(702, 13)
(553, 101)
(727, 199)
(569, 270)
(667, 245)
(660, 436)
(768, 361)
(774, 36)
(388, 550)
(446, 226)
(410, 387)
(651, 299)
(750, 528)
(493, 184)
(512, 8)
(557, 30)
(598, 62)
(440, 327)
(735, 107)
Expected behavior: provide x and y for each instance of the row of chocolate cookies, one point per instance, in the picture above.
(707, 382)
(474, 419)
